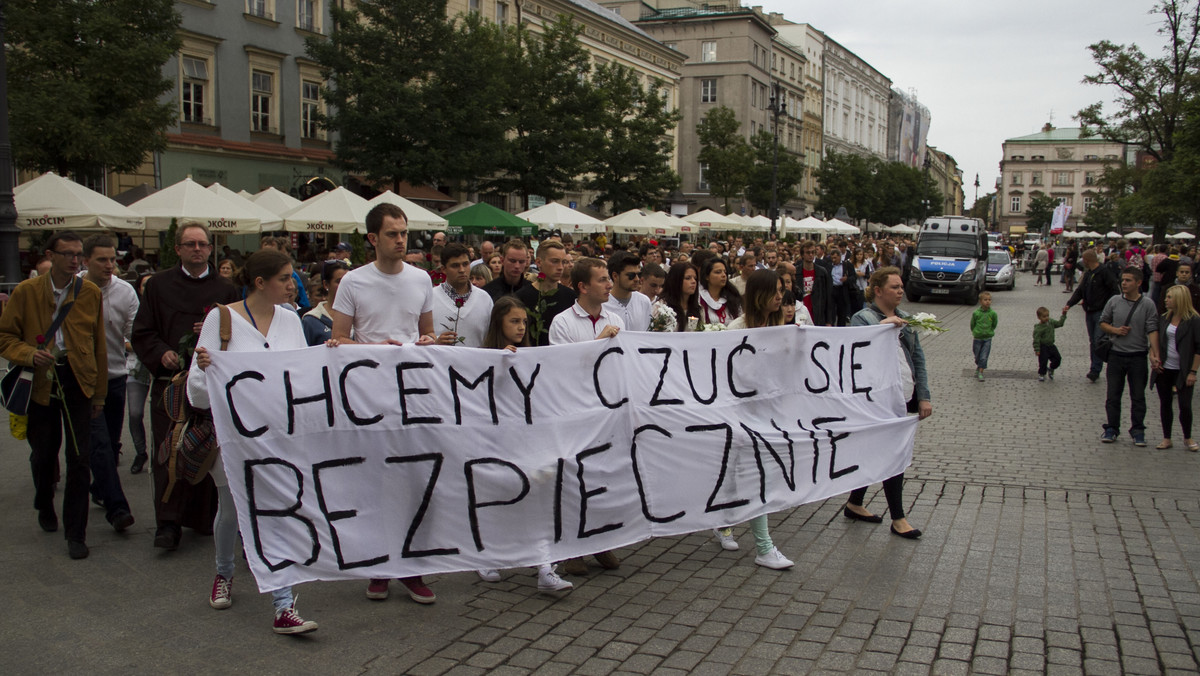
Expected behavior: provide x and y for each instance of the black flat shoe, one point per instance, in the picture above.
(139, 463)
(48, 520)
(855, 516)
(909, 534)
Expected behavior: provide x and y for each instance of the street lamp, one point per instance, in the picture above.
(777, 104)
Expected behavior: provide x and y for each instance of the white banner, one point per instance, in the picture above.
(1061, 213)
(385, 461)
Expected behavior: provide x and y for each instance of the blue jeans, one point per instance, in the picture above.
(136, 394)
(982, 348)
(1135, 368)
(1092, 319)
(105, 428)
(225, 537)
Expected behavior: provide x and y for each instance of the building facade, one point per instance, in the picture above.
(1060, 163)
(947, 178)
(857, 99)
(732, 59)
(908, 129)
(811, 43)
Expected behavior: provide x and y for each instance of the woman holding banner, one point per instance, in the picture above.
(883, 295)
(257, 324)
(764, 303)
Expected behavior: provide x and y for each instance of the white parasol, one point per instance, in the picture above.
(51, 202)
(188, 200)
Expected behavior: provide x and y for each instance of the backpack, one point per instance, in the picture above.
(190, 447)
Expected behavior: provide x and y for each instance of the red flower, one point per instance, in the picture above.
(41, 340)
(541, 276)
(459, 302)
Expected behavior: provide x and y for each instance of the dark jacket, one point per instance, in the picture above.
(823, 311)
(1095, 288)
(1187, 342)
(498, 287)
(173, 303)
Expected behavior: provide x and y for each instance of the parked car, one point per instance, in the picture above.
(1000, 271)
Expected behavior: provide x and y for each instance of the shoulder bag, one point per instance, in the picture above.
(1104, 344)
(190, 447)
(16, 388)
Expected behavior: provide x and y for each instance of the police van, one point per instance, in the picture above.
(950, 259)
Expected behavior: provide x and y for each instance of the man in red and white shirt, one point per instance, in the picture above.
(587, 320)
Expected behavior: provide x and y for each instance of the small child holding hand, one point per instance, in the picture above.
(1043, 343)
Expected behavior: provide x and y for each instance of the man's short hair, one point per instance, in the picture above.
(377, 213)
(1184, 264)
(514, 243)
(453, 250)
(62, 236)
(102, 241)
(188, 225)
(1134, 272)
(548, 246)
(653, 270)
(621, 260)
(582, 272)
(1089, 255)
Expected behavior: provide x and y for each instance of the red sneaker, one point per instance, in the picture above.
(222, 593)
(288, 621)
(377, 590)
(417, 590)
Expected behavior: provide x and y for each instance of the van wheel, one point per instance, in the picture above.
(912, 297)
(973, 297)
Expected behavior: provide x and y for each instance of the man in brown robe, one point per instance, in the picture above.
(173, 307)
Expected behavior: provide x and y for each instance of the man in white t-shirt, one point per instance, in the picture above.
(460, 311)
(625, 301)
(386, 303)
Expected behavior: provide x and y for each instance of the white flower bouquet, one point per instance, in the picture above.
(926, 324)
(662, 317)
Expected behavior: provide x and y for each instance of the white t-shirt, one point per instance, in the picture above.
(635, 313)
(473, 318)
(382, 306)
(573, 325)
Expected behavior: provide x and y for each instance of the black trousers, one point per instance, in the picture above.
(1048, 355)
(893, 488)
(45, 436)
(1164, 382)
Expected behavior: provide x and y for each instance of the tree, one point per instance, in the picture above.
(845, 180)
(1039, 213)
(1152, 93)
(791, 172)
(632, 168)
(554, 114)
(85, 81)
(725, 152)
(378, 59)
(982, 209)
(465, 96)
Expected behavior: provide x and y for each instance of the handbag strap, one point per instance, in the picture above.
(62, 312)
(226, 325)
(1133, 309)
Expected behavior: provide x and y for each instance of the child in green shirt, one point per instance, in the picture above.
(983, 327)
(1043, 343)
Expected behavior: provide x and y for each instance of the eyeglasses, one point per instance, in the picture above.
(195, 245)
(69, 255)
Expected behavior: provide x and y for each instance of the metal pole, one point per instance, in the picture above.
(776, 104)
(10, 250)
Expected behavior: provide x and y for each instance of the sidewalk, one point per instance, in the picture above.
(1044, 551)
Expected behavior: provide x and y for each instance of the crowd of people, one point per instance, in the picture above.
(123, 341)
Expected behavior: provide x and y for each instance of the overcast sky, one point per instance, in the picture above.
(987, 71)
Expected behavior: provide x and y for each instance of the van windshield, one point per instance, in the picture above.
(941, 245)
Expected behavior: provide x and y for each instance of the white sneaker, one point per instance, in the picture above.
(774, 560)
(489, 574)
(548, 580)
(725, 537)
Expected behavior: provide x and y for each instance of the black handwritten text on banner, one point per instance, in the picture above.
(384, 461)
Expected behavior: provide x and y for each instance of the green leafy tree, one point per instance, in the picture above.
(554, 114)
(845, 180)
(1039, 213)
(465, 95)
(791, 172)
(85, 81)
(378, 59)
(728, 156)
(632, 168)
(982, 209)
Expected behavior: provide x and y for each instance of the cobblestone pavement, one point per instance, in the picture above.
(1044, 552)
